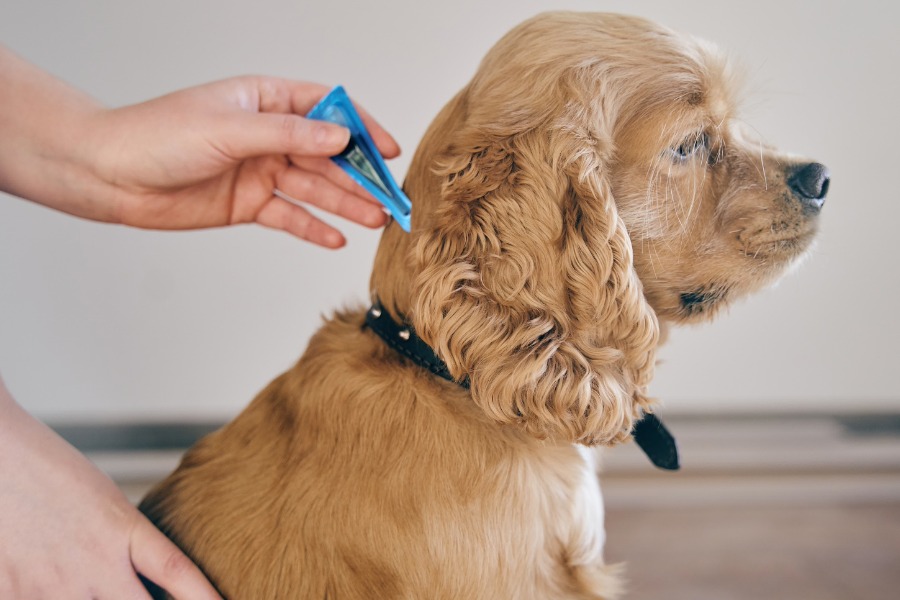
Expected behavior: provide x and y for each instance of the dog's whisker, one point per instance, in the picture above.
(762, 163)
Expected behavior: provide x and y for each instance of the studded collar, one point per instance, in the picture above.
(649, 433)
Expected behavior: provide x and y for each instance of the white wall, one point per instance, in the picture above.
(98, 321)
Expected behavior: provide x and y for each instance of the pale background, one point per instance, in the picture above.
(100, 322)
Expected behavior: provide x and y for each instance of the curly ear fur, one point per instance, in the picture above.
(526, 283)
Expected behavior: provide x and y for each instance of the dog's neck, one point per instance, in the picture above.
(649, 433)
(393, 273)
(393, 281)
(392, 276)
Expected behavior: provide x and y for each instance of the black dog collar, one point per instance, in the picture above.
(649, 433)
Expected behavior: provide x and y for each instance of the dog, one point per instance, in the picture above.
(589, 187)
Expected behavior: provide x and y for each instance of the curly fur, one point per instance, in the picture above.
(587, 187)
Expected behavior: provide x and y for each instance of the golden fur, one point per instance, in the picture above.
(589, 184)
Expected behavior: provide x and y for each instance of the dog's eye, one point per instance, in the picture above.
(690, 147)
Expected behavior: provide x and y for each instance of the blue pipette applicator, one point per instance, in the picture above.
(361, 159)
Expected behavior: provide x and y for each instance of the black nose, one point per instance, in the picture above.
(809, 183)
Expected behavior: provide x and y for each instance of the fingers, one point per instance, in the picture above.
(311, 188)
(155, 557)
(298, 97)
(282, 213)
(259, 134)
(333, 173)
(387, 145)
(131, 590)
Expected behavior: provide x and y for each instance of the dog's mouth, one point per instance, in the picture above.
(777, 222)
(703, 300)
(780, 239)
(771, 250)
(775, 247)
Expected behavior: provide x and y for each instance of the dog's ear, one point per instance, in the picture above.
(526, 284)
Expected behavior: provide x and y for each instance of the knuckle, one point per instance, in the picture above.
(307, 185)
(302, 224)
(176, 564)
(289, 127)
(273, 97)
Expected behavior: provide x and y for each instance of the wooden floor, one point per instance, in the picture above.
(765, 508)
(745, 553)
(770, 508)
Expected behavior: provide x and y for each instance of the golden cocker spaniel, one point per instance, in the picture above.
(588, 186)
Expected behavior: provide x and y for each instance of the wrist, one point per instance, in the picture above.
(80, 187)
(46, 151)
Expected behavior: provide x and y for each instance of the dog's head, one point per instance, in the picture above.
(590, 182)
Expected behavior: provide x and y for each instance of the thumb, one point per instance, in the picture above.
(260, 134)
(155, 557)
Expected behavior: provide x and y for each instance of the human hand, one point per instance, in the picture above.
(66, 531)
(213, 155)
(207, 156)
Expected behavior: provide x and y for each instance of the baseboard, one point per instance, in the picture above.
(727, 459)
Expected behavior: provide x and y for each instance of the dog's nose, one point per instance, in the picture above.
(809, 183)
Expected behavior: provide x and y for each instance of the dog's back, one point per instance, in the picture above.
(356, 475)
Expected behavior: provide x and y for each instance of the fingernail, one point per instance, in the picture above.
(332, 136)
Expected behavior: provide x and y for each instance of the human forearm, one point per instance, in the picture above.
(207, 156)
(60, 515)
(44, 125)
